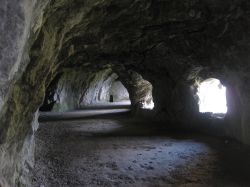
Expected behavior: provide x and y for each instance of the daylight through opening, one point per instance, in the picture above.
(212, 97)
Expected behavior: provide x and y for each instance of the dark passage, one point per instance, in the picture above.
(111, 99)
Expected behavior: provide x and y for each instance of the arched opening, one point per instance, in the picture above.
(140, 90)
(212, 97)
(80, 90)
(118, 93)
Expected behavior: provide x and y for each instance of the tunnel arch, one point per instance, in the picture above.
(231, 124)
(212, 97)
(140, 90)
(118, 92)
(80, 88)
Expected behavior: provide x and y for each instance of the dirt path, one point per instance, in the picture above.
(128, 152)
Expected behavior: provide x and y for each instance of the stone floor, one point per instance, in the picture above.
(123, 151)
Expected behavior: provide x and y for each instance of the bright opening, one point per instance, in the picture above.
(212, 97)
(147, 99)
(148, 105)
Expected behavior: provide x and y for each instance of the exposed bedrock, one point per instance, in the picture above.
(74, 89)
(119, 92)
(168, 43)
(140, 90)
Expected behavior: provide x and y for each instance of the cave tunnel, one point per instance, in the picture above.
(124, 93)
(103, 89)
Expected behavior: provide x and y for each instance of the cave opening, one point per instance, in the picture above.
(103, 88)
(118, 93)
(86, 90)
(212, 97)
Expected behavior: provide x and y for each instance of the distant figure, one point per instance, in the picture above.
(111, 99)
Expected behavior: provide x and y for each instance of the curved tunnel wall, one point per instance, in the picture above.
(119, 92)
(79, 88)
(140, 90)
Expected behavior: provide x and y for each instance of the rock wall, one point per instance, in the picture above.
(238, 96)
(119, 92)
(98, 90)
(140, 90)
(82, 87)
(79, 88)
(19, 22)
(174, 102)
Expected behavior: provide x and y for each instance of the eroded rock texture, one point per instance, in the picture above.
(172, 44)
(140, 90)
(119, 92)
(78, 88)
(82, 88)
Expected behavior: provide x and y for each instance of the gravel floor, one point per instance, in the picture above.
(121, 151)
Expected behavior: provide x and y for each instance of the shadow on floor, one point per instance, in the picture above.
(118, 150)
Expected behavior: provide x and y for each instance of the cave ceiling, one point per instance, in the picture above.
(146, 35)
